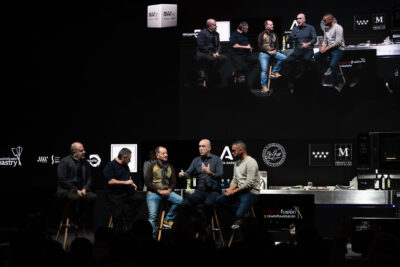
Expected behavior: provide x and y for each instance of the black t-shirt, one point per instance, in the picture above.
(114, 170)
(240, 39)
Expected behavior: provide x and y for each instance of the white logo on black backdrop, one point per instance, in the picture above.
(378, 22)
(274, 155)
(320, 154)
(45, 159)
(16, 160)
(94, 160)
(226, 156)
(343, 154)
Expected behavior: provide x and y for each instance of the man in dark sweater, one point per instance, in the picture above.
(74, 181)
(304, 38)
(209, 169)
(121, 195)
(208, 53)
(160, 180)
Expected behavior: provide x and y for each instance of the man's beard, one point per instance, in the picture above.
(237, 157)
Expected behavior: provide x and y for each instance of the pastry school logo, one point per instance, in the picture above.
(13, 161)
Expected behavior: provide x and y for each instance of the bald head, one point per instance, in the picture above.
(301, 19)
(211, 25)
(204, 147)
(77, 150)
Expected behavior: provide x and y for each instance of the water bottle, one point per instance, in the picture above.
(383, 182)
(194, 181)
(222, 183)
(376, 182)
(187, 183)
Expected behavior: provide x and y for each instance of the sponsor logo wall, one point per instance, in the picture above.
(281, 162)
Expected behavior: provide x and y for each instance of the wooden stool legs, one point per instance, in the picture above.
(215, 226)
(251, 214)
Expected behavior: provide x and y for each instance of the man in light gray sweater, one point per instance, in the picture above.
(245, 185)
(332, 49)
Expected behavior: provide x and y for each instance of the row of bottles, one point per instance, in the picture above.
(383, 182)
(191, 183)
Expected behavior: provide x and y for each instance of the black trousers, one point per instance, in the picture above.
(207, 64)
(124, 206)
(81, 208)
(242, 62)
(297, 61)
(200, 202)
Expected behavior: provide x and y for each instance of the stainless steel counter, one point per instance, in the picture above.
(349, 197)
(381, 50)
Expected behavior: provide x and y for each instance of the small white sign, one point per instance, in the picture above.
(162, 16)
(224, 30)
(115, 148)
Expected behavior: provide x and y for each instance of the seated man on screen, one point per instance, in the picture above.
(208, 53)
(241, 52)
(304, 37)
(332, 50)
(268, 44)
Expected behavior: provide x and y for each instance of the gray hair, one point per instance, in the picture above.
(124, 152)
(242, 25)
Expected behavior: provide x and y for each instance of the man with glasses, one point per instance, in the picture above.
(304, 38)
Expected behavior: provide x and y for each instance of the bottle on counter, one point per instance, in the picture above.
(377, 184)
(383, 182)
(388, 182)
(188, 183)
(194, 180)
(283, 43)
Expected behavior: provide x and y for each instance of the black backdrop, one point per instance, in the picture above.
(95, 73)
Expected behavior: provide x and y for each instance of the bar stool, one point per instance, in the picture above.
(249, 214)
(215, 227)
(272, 63)
(160, 227)
(110, 223)
(341, 73)
(66, 223)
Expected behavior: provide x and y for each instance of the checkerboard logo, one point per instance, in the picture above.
(320, 154)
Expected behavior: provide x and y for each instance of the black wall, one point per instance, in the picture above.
(94, 73)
